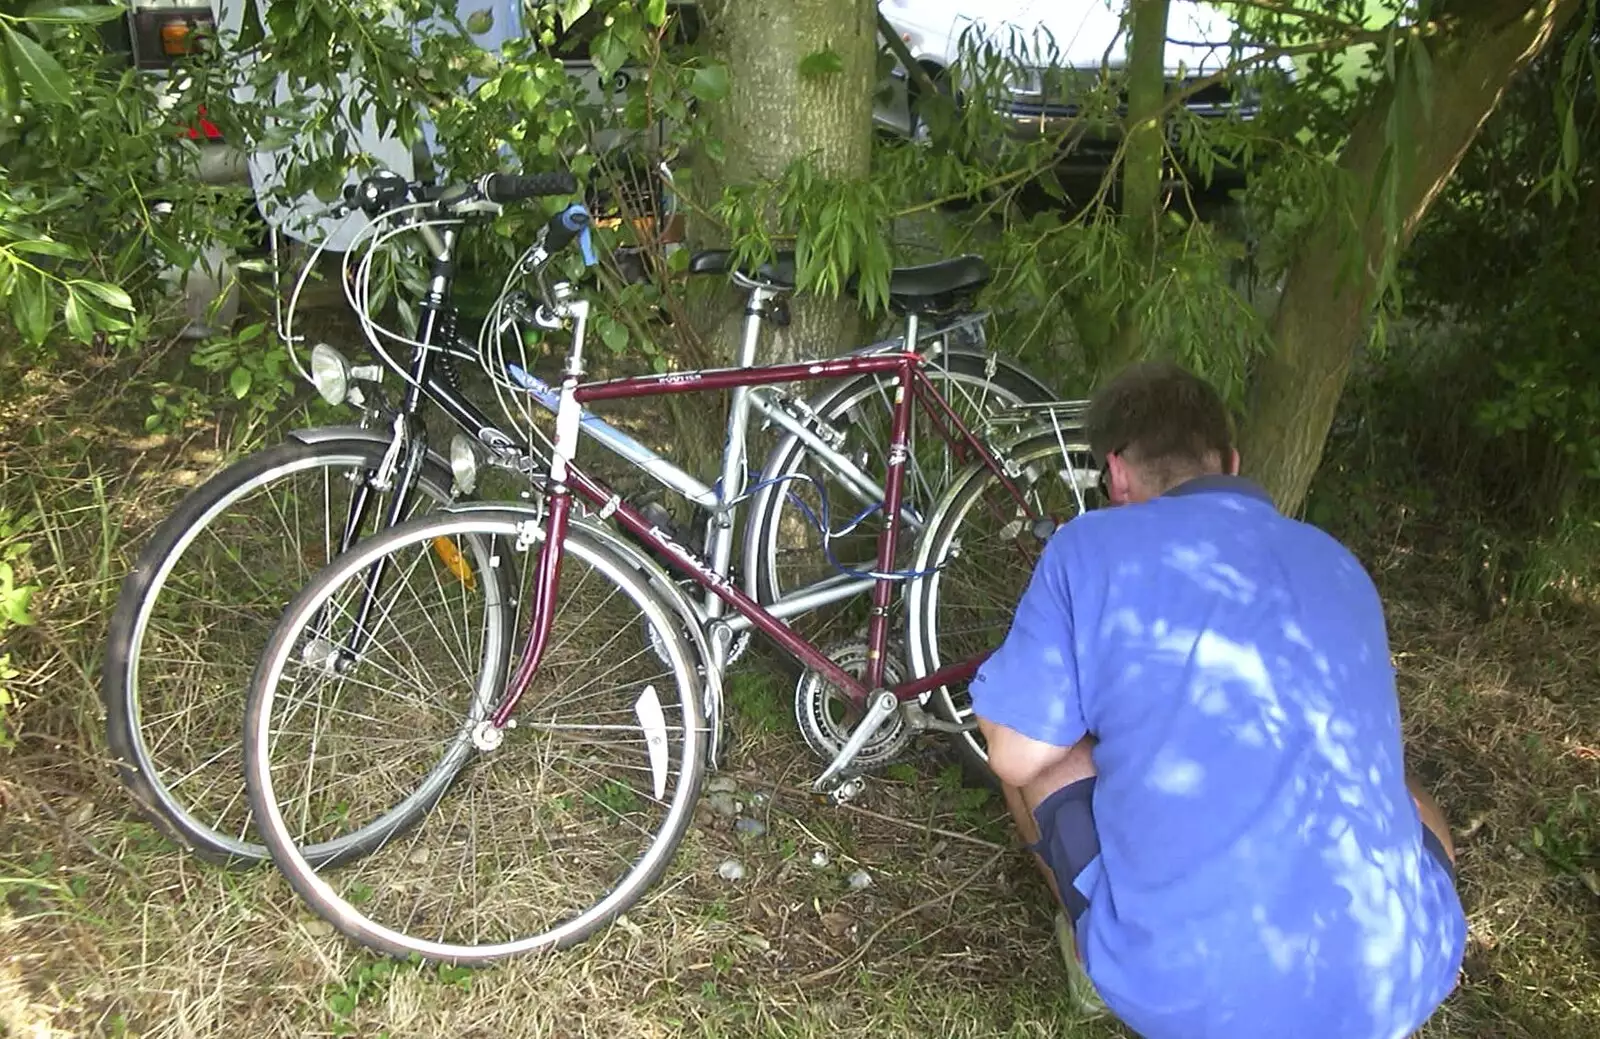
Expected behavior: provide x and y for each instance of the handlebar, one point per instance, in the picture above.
(384, 189)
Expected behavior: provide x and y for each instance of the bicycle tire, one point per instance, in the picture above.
(1009, 382)
(142, 587)
(515, 529)
(927, 645)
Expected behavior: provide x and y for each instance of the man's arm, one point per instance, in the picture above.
(1015, 759)
(1025, 695)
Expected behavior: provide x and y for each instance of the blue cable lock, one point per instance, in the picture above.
(576, 218)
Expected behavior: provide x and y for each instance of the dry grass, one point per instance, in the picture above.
(105, 929)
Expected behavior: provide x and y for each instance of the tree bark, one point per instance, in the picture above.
(1142, 161)
(1327, 300)
(774, 115)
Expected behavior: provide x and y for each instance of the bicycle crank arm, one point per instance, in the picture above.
(883, 707)
(919, 720)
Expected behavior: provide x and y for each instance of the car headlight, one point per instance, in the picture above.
(330, 373)
(463, 464)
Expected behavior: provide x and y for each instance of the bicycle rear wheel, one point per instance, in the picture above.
(534, 840)
(784, 550)
(977, 554)
(195, 611)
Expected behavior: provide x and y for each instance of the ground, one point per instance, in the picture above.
(109, 930)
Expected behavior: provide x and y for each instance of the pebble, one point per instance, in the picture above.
(732, 869)
(860, 880)
(819, 859)
(722, 785)
(722, 803)
(750, 827)
(318, 928)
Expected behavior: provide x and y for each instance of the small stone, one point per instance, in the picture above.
(318, 928)
(722, 803)
(722, 785)
(418, 857)
(860, 880)
(939, 848)
(732, 869)
(750, 827)
(819, 859)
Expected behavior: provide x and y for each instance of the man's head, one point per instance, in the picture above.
(1156, 425)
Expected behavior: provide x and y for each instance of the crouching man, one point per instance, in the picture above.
(1194, 718)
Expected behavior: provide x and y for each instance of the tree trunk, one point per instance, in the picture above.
(773, 115)
(1326, 300)
(1142, 161)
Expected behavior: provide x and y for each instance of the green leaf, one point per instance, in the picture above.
(40, 72)
(656, 11)
(710, 82)
(572, 10)
(107, 293)
(78, 323)
(74, 13)
(1422, 71)
(239, 382)
(30, 308)
(821, 63)
(615, 335)
(45, 247)
(609, 52)
(251, 33)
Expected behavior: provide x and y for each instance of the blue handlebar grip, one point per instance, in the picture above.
(586, 246)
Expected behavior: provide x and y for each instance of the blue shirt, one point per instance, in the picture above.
(1261, 869)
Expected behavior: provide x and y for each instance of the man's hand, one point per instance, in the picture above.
(1015, 759)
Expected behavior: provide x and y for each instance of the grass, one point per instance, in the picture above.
(107, 930)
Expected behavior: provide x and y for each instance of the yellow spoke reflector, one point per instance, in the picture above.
(457, 563)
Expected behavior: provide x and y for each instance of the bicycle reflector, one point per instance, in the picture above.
(454, 561)
(330, 373)
(463, 464)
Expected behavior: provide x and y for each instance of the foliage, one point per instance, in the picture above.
(1509, 259)
(16, 593)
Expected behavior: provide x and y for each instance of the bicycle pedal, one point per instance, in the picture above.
(843, 792)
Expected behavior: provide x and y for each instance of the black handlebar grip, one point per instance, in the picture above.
(509, 187)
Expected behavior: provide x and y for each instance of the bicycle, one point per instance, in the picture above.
(198, 604)
(462, 690)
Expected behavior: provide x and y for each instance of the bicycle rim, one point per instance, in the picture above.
(508, 855)
(217, 574)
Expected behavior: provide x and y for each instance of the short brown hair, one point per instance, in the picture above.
(1163, 418)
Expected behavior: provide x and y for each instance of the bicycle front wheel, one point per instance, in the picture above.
(526, 838)
(977, 554)
(195, 612)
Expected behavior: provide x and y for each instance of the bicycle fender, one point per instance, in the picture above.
(323, 434)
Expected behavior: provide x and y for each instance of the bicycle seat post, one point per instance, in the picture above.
(764, 302)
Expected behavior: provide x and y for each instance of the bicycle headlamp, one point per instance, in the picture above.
(463, 464)
(330, 374)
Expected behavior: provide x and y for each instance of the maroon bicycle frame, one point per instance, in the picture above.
(907, 367)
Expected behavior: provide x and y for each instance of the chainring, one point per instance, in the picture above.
(826, 718)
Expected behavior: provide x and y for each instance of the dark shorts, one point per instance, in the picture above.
(1068, 841)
